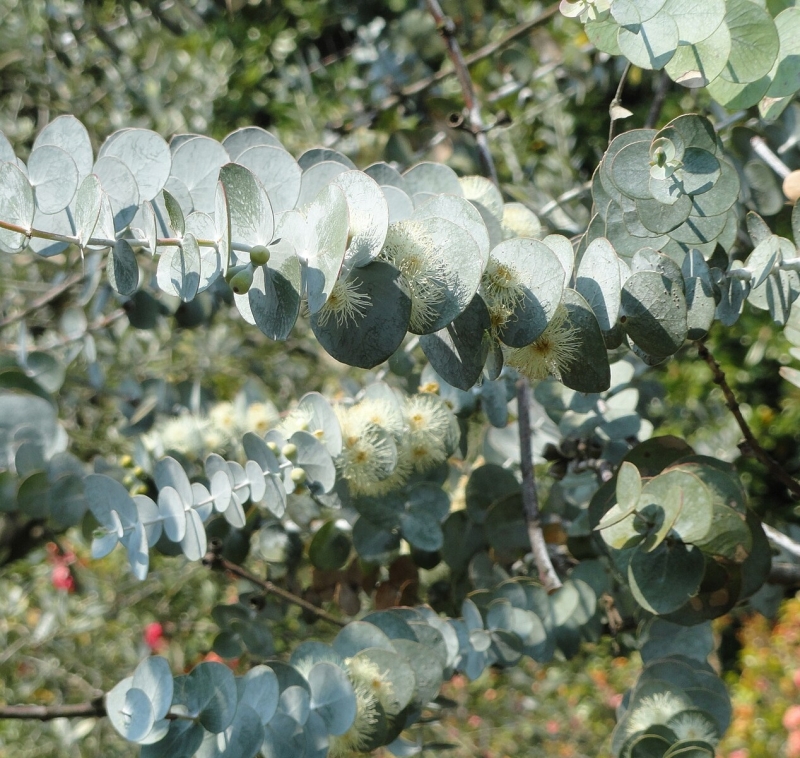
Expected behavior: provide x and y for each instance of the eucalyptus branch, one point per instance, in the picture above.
(215, 561)
(562, 198)
(781, 540)
(763, 151)
(755, 447)
(475, 121)
(530, 498)
(786, 574)
(67, 284)
(104, 242)
(94, 709)
(617, 101)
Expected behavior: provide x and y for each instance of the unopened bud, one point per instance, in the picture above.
(240, 283)
(259, 255)
(299, 475)
(289, 450)
(232, 271)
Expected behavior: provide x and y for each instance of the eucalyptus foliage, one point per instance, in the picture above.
(457, 291)
(743, 52)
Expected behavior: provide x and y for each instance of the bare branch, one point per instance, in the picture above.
(763, 151)
(448, 31)
(530, 499)
(787, 574)
(484, 52)
(617, 102)
(46, 299)
(755, 447)
(215, 561)
(95, 709)
(781, 540)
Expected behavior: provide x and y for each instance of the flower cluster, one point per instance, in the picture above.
(386, 438)
(219, 429)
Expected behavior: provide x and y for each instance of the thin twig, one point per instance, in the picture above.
(786, 574)
(781, 540)
(448, 31)
(568, 195)
(530, 499)
(617, 101)
(664, 84)
(96, 326)
(763, 151)
(48, 297)
(484, 52)
(730, 400)
(95, 709)
(213, 560)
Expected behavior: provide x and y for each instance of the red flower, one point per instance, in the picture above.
(793, 745)
(62, 578)
(791, 718)
(154, 636)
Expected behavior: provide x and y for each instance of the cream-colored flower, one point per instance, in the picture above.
(382, 412)
(261, 417)
(694, 725)
(501, 290)
(224, 417)
(411, 250)
(214, 440)
(297, 420)
(430, 430)
(363, 671)
(183, 434)
(369, 453)
(551, 353)
(655, 709)
(359, 736)
(403, 468)
(345, 303)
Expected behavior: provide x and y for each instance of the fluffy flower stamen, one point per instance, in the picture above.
(693, 725)
(551, 353)
(345, 303)
(369, 454)
(655, 709)
(372, 688)
(429, 430)
(412, 252)
(502, 291)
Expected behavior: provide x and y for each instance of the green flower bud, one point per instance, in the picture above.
(299, 475)
(259, 255)
(240, 283)
(289, 450)
(232, 271)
